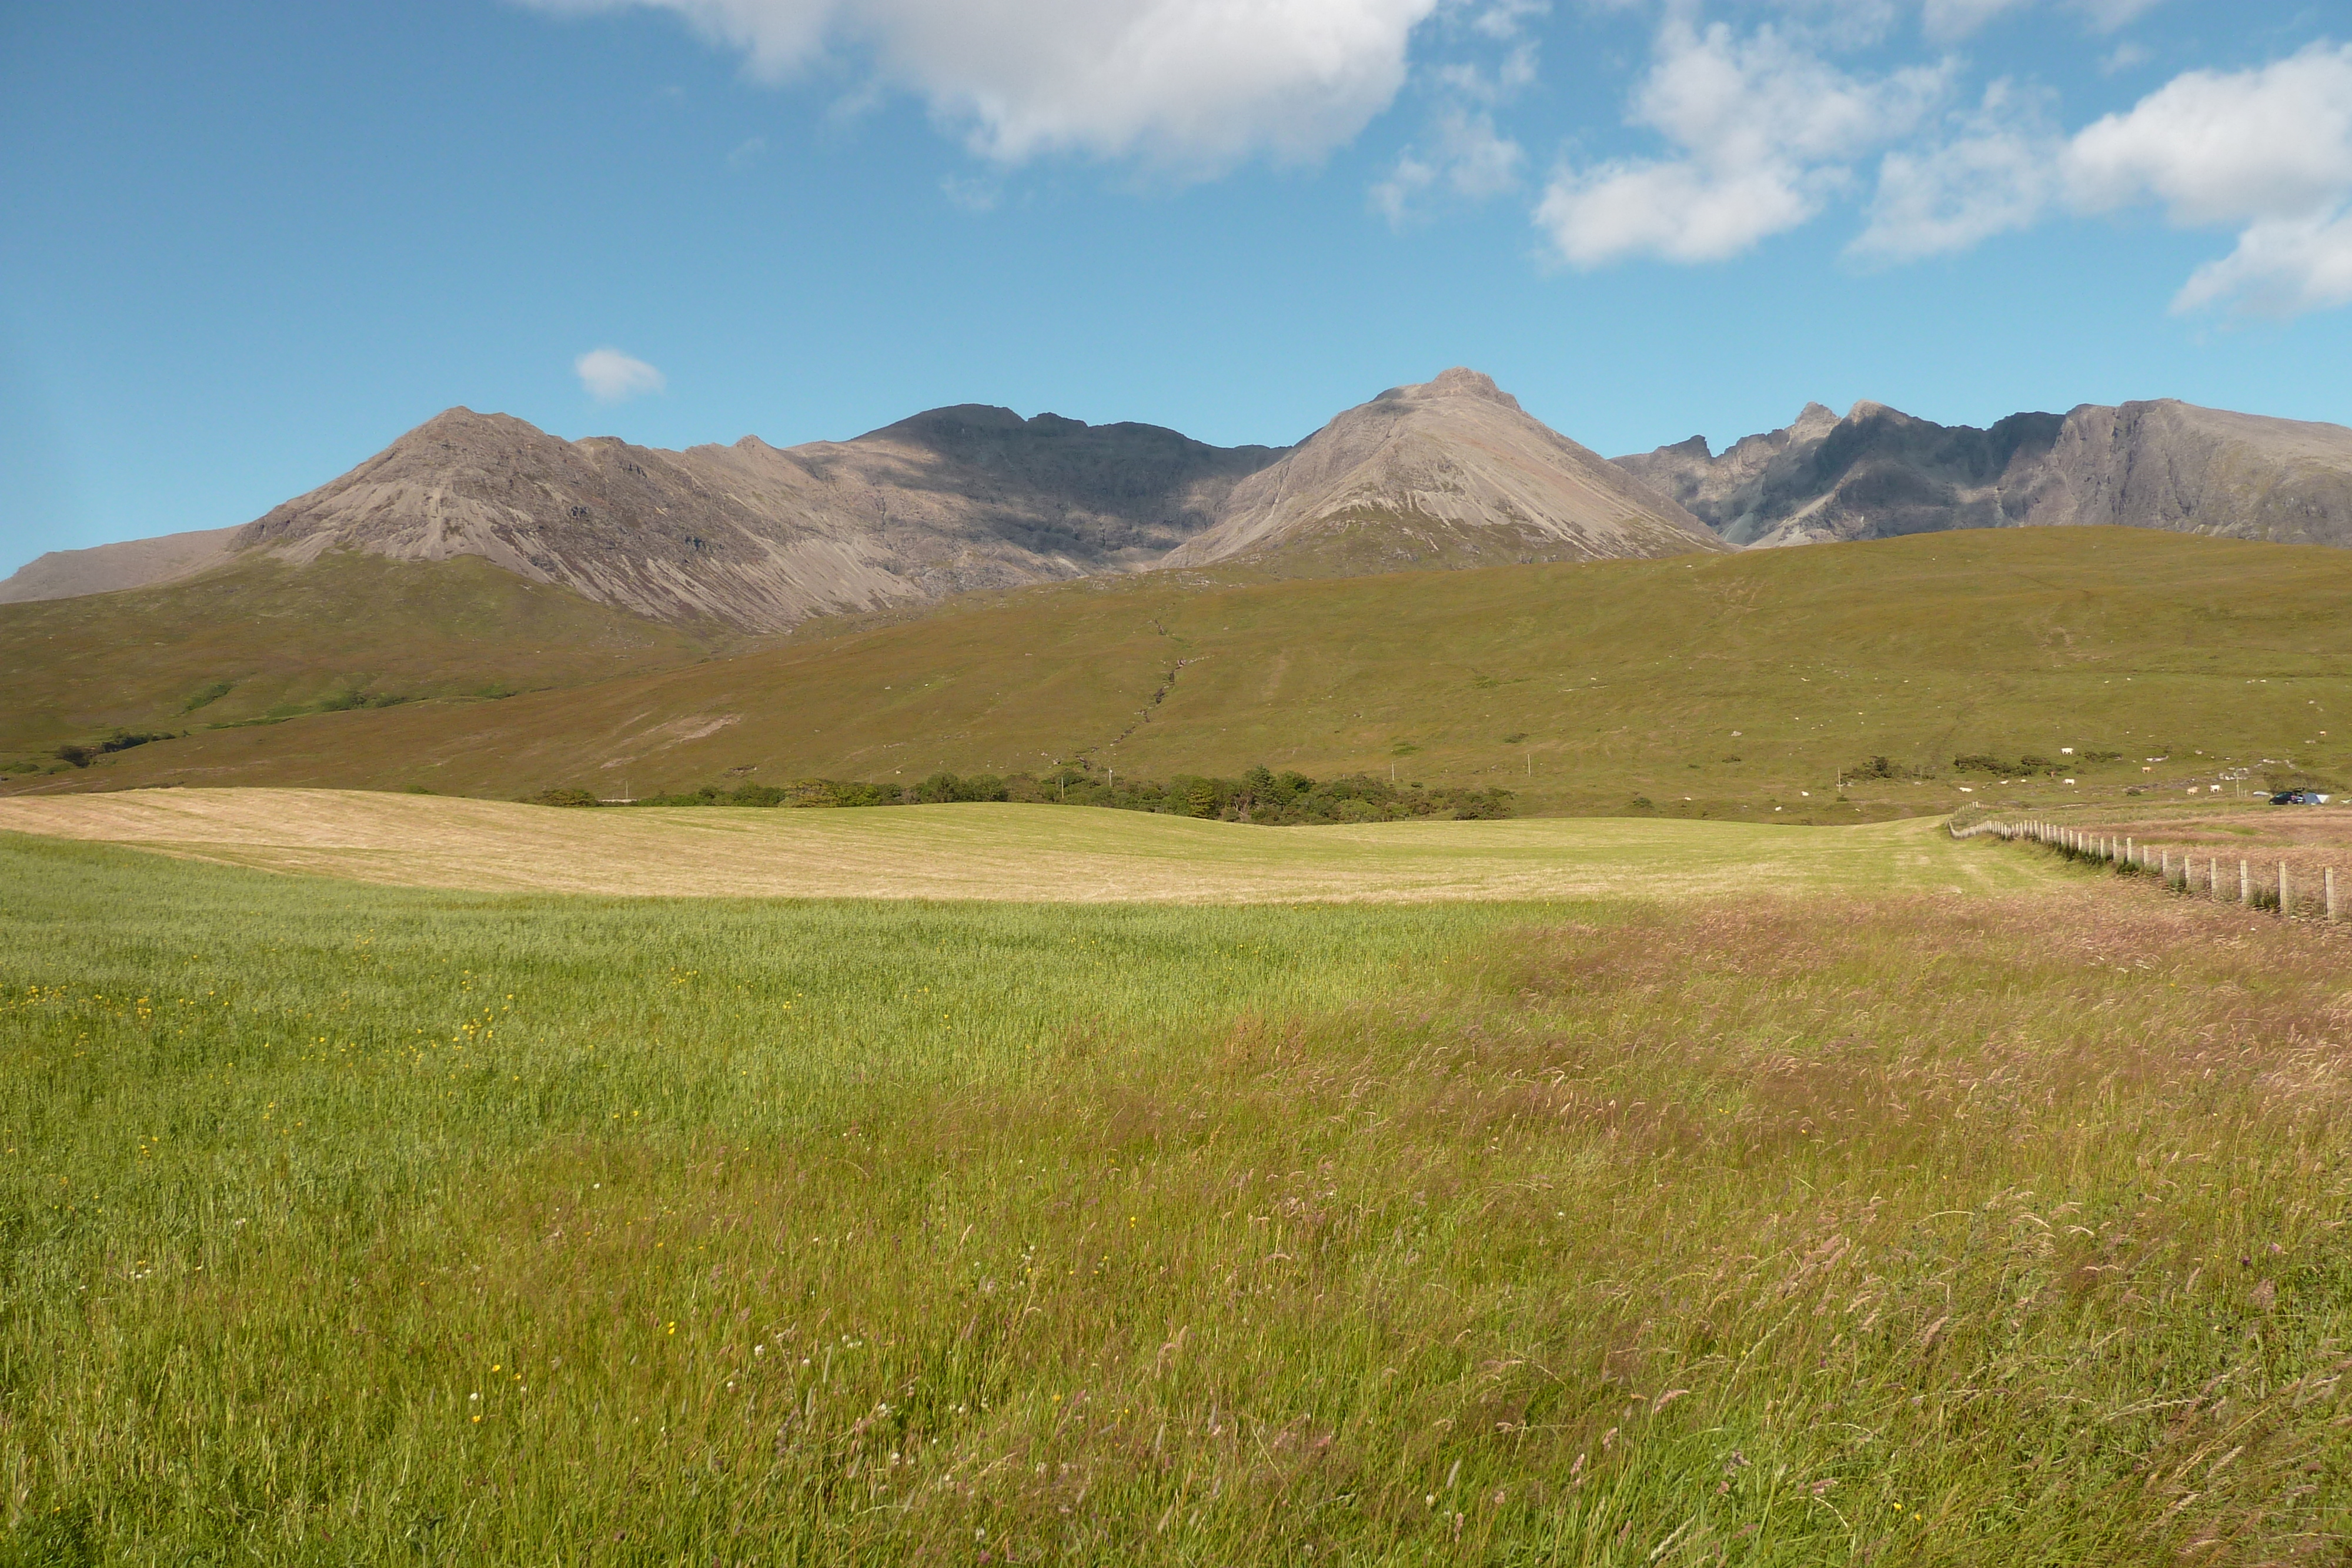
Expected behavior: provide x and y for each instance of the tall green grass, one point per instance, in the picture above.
(377, 1225)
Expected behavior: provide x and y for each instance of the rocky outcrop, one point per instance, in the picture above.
(1879, 473)
(1451, 472)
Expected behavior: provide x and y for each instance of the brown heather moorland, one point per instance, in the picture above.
(1727, 686)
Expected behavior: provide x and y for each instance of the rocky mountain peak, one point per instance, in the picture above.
(1459, 382)
(462, 423)
(1813, 420)
(956, 421)
(1450, 472)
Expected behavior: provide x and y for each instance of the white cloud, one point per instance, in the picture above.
(2221, 148)
(1195, 85)
(609, 375)
(2282, 266)
(2267, 151)
(1997, 175)
(1765, 133)
(1462, 156)
(748, 152)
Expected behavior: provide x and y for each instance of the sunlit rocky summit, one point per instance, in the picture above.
(1447, 473)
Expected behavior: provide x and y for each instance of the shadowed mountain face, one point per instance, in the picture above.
(1879, 473)
(1448, 472)
(760, 538)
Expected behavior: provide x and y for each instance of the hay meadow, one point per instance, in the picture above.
(361, 1224)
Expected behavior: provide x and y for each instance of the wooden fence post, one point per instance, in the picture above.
(2245, 882)
(2287, 898)
(2331, 892)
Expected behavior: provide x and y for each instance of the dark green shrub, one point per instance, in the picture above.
(121, 740)
(561, 797)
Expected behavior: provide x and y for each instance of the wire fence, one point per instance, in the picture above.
(2279, 885)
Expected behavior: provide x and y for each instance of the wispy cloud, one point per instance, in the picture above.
(1764, 130)
(1996, 172)
(972, 195)
(1463, 155)
(2109, 14)
(609, 375)
(2267, 151)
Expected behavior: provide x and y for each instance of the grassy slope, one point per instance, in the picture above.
(1626, 678)
(285, 637)
(368, 1225)
(1006, 852)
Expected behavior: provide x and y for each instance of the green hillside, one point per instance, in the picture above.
(261, 638)
(1693, 685)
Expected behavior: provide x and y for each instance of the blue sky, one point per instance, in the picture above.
(246, 244)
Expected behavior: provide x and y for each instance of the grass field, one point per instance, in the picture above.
(1717, 686)
(260, 640)
(1034, 853)
(391, 1224)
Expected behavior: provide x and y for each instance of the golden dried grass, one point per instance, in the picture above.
(1031, 853)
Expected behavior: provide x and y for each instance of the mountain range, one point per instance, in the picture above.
(1879, 473)
(751, 538)
(760, 539)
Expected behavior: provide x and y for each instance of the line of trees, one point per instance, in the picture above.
(1288, 798)
(1978, 762)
